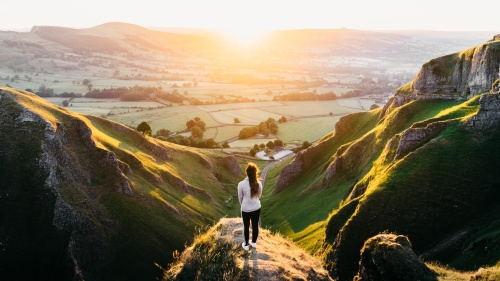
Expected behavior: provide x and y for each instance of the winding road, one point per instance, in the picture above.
(263, 174)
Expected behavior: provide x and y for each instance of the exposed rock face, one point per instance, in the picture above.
(65, 160)
(454, 77)
(390, 257)
(302, 160)
(469, 72)
(231, 163)
(488, 115)
(417, 136)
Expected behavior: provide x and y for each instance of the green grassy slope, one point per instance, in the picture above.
(311, 193)
(441, 195)
(440, 190)
(174, 190)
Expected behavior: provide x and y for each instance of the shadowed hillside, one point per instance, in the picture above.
(86, 198)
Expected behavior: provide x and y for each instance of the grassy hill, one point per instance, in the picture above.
(422, 171)
(88, 198)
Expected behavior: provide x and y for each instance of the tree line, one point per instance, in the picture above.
(265, 128)
(306, 96)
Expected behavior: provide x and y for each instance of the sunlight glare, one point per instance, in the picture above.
(244, 35)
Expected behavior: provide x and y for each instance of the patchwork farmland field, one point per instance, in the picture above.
(171, 118)
(247, 116)
(223, 133)
(307, 120)
(306, 129)
(234, 106)
(310, 108)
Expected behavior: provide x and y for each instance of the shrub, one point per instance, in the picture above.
(144, 128)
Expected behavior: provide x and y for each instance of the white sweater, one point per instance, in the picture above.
(248, 204)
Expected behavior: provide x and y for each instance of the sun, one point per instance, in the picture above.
(244, 35)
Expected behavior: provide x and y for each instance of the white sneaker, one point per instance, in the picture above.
(245, 247)
(254, 245)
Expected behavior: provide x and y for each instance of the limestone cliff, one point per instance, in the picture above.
(456, 76)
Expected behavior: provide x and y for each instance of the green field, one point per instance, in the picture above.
(248, 116)
(306, 129)
(234, 106)
(310, 108)
(312, 118)
(223, 133)
(172, 118)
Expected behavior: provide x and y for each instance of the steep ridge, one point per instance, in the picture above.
(429, 183)
(85, 198)
(425, 168)
(457, 76)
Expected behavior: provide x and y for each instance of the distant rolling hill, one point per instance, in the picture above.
(124, 38)
(85, 198)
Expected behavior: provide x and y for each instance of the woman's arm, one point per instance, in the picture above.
(240, 192)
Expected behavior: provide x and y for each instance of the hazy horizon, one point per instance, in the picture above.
(257, 16)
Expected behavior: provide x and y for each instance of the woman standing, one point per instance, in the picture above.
(249, 193)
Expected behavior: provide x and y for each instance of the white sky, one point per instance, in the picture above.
(450, 15)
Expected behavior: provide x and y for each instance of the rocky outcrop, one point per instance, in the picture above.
(390, 257)
(418, 135)
(217, 255)
(302, 161)
(454, 77)
(231, 163)
(488, 115)
(469, 72)
(306, 158)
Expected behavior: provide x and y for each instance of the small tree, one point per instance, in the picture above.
(262, 146)
(200, 124)
(144, 128)
(256, 147)
(252, 152)
(266, 132)
(282, 119)
(236, 121)
(65, 103)
(270, 144)
(225, 144)
(305, 144)
(278, 143)
(374, 106)
(190, 124)
(196, 132)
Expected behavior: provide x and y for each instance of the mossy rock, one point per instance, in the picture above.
(390, 257)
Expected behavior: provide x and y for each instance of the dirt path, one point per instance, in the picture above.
(275, 258)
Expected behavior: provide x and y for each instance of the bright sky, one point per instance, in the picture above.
(256, 15)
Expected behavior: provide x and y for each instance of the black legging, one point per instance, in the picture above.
(254, 217)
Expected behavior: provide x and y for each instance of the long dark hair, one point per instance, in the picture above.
(252, 171)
